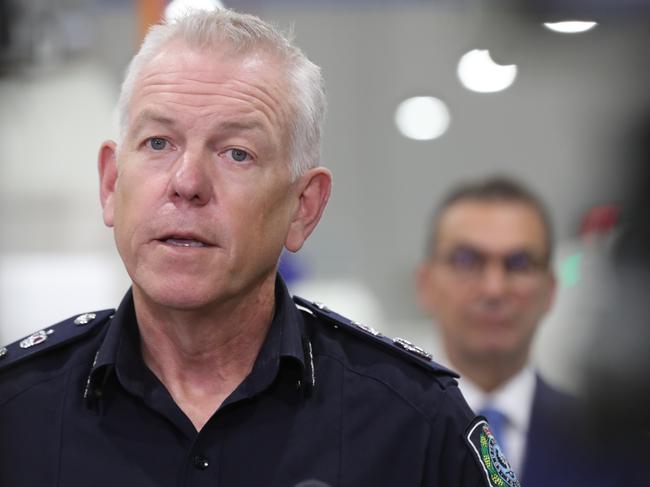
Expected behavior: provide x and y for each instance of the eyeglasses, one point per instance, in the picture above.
(466, 261)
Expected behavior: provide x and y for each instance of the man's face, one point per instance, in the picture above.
(488, 284)
(199, 192)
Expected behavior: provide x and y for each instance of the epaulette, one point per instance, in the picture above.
(397, 346)
(53, 337)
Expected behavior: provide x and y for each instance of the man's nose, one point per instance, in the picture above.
(191, 180)
(494, 281)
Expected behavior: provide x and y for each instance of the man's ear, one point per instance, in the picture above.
(313, 189)
(551, 289)
(424, 286)
(107, 165)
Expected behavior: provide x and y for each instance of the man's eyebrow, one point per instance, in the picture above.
(230, 126)
(235, 125)
(151, 116)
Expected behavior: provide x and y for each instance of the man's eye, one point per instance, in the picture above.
(519, 262)
(239, 155)
(157, 143)
(466, 259)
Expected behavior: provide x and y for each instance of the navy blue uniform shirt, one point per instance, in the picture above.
(325, 400)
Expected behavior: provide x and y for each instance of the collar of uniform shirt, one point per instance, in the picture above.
(284, 340)
(104, 362)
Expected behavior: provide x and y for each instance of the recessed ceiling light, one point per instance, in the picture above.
(178, 8)
(422, 118)
(478, 72)
(570, 26)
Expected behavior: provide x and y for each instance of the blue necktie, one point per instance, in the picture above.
(497, 421)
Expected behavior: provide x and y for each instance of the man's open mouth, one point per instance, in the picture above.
(184, 242)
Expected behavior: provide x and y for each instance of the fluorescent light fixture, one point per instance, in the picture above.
(478, 72)
(422, 118)
(179, 8)
(570, 26)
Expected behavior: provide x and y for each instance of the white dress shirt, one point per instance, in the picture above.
(515, 400)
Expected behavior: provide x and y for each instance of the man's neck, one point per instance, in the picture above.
(488, 374)
(202, 356)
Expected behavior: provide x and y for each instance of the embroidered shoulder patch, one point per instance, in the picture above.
(491, 459)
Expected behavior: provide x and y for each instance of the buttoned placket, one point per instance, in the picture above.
(119, 360)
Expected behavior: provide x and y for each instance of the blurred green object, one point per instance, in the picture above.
(569, 271)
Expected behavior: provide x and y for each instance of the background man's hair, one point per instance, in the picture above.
(224, 30)
(494, 189)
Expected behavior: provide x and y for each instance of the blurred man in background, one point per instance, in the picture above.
(488, 283)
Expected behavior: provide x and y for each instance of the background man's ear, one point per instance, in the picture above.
(314, 189)
(424, 288)
(107, 165)
(551, 290)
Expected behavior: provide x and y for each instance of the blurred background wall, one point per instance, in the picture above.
(557, 127)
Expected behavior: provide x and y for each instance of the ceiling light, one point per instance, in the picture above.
(422, 118)
(570, 26)
(179, 8)
(478, 72)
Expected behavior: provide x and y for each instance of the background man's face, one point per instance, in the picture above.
(487, 284)
(203, 197)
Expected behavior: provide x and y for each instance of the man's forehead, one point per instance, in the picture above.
(492, 224)
(148, 115)
(194, 74)
(179, 55)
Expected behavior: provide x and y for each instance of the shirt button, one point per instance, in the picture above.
(200, 462)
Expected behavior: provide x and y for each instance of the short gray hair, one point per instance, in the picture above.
(241, 34)
(493, 189)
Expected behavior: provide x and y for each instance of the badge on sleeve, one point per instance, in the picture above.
(493, 462)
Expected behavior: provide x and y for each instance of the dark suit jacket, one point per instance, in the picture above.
(559, 453)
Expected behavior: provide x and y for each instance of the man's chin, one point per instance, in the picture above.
(177, 296)
(495, 352)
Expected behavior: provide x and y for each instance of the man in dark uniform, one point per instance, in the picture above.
(209, 373)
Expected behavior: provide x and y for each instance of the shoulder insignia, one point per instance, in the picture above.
(486, 451)
(52, 337)
(399, 346)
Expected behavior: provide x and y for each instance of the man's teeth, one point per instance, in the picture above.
(183, 242)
